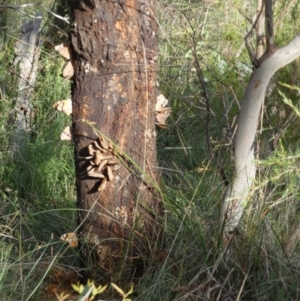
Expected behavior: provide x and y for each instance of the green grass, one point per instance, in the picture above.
(37, 186)
(37, 189)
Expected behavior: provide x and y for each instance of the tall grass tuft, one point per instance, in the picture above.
(37, 190)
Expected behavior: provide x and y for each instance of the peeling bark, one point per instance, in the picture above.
(237, 193)
(114, 51)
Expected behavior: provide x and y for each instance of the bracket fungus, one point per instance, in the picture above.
(66, 134)
(162, 112)
(64, 50)
(64, 106)
(102, 162)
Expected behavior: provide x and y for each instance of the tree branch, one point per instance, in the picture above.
(260, 31)
(237, 193)
(269, 27)
(252, 56)
(20, 8)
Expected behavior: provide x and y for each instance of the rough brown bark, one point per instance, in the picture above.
(114, 52)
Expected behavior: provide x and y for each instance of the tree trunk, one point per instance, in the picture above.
(27, 51)
(114, 93)
(260, 30)
(237, 192)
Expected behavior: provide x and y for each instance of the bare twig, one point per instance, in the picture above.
(284, 11)
(56, 15)
(200, 77)
(250, 52)
(20, 8)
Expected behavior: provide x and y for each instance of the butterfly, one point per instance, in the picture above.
(70, 238)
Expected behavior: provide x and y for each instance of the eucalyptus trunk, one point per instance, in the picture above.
(27, 50)
(114, 48)
(237, 193)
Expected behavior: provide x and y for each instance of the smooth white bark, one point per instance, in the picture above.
(236, 194)
(27, 55)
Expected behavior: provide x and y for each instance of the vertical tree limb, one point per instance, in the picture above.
(237, 193)
(257, 21)
(260, 45)
(269, 27)
(114, 96)
(27, 51)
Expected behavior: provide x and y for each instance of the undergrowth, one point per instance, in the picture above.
(37, 186)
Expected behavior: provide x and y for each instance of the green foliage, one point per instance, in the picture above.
(271, 217)
(37, 186)
(37, 183)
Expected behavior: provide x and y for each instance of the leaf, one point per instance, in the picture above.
(70, 238)
(78, 287)
(64, 50)
(118, 289)
(122, 293)
(289, 102)
(66, 134)
(64, 106)
(68, 70)
(62, 296)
